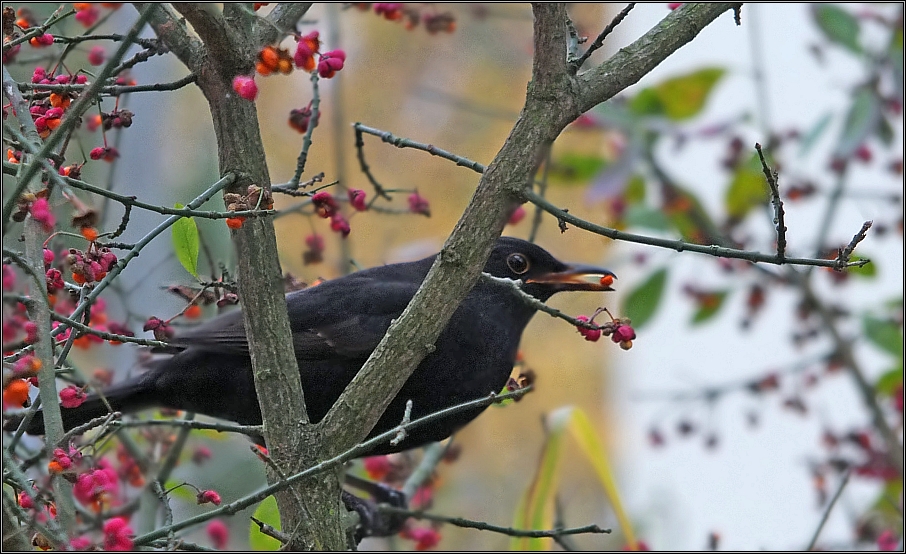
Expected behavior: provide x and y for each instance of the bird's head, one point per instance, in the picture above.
(542, 274)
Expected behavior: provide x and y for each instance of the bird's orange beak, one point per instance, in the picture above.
(578, 277)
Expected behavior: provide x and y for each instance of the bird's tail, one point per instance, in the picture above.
(129, 396)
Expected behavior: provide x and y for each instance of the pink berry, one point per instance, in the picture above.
(245, 86)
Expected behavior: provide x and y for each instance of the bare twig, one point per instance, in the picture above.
(250, 430)
(846, 252)
(312, 123)
(400, 142)
(598, 42)
(680, 246)
(484, 526)
(111, 90)
(771, 177)
(827, 511)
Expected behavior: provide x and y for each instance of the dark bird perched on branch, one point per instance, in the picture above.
(335, 327)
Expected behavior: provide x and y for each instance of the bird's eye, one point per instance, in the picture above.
(518, 263)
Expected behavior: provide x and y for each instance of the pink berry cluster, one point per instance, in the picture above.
(90, 266)
(326, 207)
(620, 331)
(307, 57)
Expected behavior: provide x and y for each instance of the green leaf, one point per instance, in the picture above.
(185, 243)
(709, 306)
(747, 189)
(574, 168)
(643, 216)
(684, 97)
(885, 334)
(888, 383)
(838, 25)
(813, 134)
(868, 270)
(646, 102)
(268, 513)
(642, 302)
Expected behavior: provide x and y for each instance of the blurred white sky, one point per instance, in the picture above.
(755, 490)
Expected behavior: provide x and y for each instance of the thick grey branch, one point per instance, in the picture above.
(281, 21)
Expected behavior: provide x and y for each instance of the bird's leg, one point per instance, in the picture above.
(372, 522)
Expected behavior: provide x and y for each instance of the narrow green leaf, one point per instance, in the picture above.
(267, 512)
(641, 304)
(186, 242)
(814, 134)
(861, 122)
(684, 97)
(884, 334)
(709, 306)
(838, 25)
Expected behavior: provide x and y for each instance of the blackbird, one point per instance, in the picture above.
(335, 327)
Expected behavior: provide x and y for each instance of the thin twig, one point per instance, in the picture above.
(400, 142)
(771, 177)
(846, 252)
(598, 42)
(110, 90)
(516, 288)
(168, 512)
(250, 430)
(484, 526)
(184, 212)
(680, 246)
(270, 531)
(312, 123)
(827, 511)
(379, 189)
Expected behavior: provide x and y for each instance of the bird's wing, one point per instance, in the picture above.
(328, 320)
